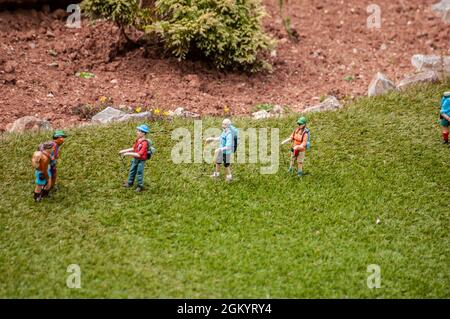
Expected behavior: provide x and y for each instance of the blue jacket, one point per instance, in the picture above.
(445, 105)
(226, 140)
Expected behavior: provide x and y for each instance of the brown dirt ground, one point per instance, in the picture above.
(334, 43)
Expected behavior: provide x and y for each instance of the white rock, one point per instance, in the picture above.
(108, 115)
(441, 7)
(424, 77)
(263, 114)
(379, 85)
(331, 103)
(436, 63)
(181, 112)
(136, 116)
(277, 109)
(30, 123)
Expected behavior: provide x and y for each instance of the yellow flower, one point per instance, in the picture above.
(103, 99)
(166, 113)
(138, 109)
(226, 109)
(157, 111)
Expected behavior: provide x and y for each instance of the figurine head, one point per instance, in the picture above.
(226, 123)
(59, 136)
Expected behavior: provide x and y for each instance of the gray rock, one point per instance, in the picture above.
(263, 114)
(424, 77)
(331, 103)
(436, 63)
(379, 85)
(277, 109)
(132, 117)
(111, 114)
(108, 115)
(181, 112)
(441, 7)
(29, 123)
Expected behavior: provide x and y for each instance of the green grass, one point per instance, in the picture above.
(260, 236)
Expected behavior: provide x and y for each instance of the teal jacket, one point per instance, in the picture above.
(445, 105)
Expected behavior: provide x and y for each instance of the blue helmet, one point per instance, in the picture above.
(143, 128)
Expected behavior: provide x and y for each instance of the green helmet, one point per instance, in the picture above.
(302, 121)
(59, 133)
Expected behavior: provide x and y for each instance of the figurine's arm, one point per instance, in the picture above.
(286, 140)
(445, 116)
(212, 139)
(133, 154)
(122, 152)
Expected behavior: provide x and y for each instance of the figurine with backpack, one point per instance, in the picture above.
(141, 151)
(301, 141)
(58, 140)
(40, 161)
(444, 117)
(228, 142)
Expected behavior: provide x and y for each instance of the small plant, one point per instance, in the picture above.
(85, 75)
(263, 107)
(349, 78)
(292, 33)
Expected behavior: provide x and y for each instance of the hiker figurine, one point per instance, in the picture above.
(58, 141)
(141, 152)
(41, 162)
(300, 143)
(228, 141)
(445, 116)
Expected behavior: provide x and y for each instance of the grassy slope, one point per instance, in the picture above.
(262, 236)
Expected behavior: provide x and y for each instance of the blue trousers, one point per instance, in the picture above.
(137, 167)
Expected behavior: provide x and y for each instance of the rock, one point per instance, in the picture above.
(50, 34)
(10, 66)
(193, 80)
(114, 81)
(29, 123)
(10, 78)
(379, 85)
(263, 114)
(424, 77)
(136, 116)
(108, 115)
(436, 63)
(278, 109)
(442, 8)
(111, 114)
(181, 112)
(331, 103)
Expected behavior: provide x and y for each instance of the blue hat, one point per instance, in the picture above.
(143, 128)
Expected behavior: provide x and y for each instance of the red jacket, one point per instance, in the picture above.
(141, 147)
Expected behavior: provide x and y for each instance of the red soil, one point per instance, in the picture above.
(335, 44)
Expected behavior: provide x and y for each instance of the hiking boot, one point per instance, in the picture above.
(229, 179)
(139, 189)
(126, 185)
(37, 197)
(45, 193)
(445, 142)
(214, 175)
(300, 173)
(290, 170)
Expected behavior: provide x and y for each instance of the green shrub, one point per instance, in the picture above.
(122, 12)
(226, 32)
